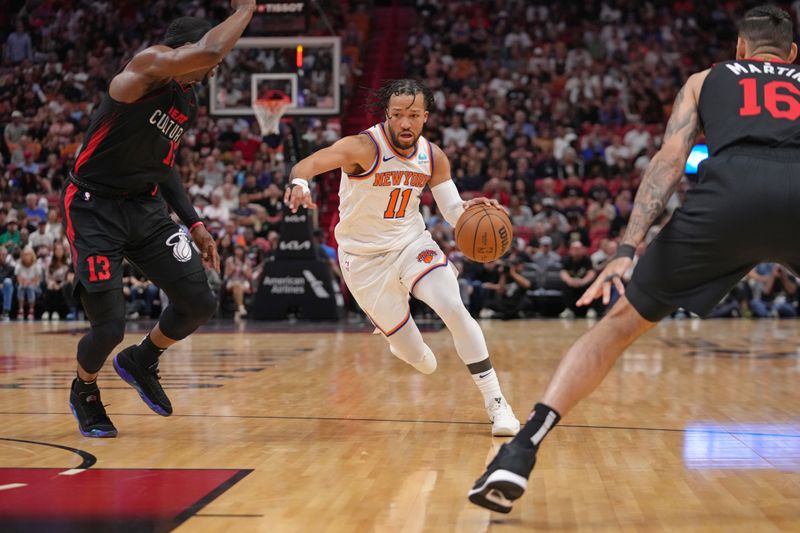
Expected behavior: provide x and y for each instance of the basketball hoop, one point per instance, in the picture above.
(269, 111)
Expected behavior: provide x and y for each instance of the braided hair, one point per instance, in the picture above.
(767, 27)
(378, 101)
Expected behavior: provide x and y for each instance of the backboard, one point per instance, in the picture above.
(305, 68)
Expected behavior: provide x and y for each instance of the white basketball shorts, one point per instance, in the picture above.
(381, 284)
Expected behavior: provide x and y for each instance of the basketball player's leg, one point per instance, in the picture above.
(581, 370)
(374, 283)
(689, 265)
(106, 313)
(590, 358)
(439, 289)
(96, 236)
(406, 344)
(168, 259)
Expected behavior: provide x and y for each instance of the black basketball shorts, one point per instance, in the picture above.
(744, 211)
(102, 231)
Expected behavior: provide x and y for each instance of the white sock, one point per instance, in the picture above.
(488, 385)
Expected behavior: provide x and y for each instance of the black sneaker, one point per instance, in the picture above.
(505, 479)
(90, 413)
(144, 379)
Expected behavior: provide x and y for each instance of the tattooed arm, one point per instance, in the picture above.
(661, 177)
(666, 169)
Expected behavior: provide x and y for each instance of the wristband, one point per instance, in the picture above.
(198, 223)
(302, 183)
(625, 250)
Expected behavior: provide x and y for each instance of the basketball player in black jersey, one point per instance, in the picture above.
(115, 206)
(742, 212)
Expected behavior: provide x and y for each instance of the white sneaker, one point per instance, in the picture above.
(55, 317)
(591, 313)
(45, 316)
(427, 365)
(242, 310)
(504, 423)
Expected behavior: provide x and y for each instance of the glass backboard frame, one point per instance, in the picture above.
(286, 42)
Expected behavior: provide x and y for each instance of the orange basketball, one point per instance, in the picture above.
(483, 233)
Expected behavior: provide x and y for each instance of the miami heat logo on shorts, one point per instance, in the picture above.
(181, 248)
(426, 256)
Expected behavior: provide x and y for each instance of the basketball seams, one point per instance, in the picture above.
(460, 223)
(477, 229)
(468, 243)
(494, 236)
(477, 212)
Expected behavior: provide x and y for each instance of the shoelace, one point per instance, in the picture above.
(496, 406)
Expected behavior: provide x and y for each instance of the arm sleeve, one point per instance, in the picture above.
(449, 201)
(173, 192)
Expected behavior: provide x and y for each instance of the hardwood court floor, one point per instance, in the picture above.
(696, 428)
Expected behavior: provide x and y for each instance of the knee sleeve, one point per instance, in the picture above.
(407, 344)
(439, 289)
(191, 304)
(106, 313)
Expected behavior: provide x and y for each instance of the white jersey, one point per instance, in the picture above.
(379, 209)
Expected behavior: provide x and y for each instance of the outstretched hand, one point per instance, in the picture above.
(612, 273)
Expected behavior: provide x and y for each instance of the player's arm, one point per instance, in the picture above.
(156, 65)
(175, 195)
(667, 167)
(660, 179)
(354, 154)
(444, 190)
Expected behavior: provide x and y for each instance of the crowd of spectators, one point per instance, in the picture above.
(555, 109)
(58, 57)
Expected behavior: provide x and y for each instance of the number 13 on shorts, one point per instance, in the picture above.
(394, 195)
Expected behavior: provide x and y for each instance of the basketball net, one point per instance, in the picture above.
(269, 111)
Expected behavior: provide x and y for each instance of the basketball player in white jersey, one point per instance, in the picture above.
(385, 251)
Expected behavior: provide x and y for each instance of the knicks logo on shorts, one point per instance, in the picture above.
(181, 247)
(426, 256)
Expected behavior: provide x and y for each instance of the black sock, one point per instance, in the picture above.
(148, 353)
(541, 421)
(80, 386)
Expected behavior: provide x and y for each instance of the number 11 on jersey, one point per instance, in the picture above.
(390, 209)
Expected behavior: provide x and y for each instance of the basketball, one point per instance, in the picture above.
(483, 233)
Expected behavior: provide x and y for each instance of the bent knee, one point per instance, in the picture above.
(452, 310)
(205, 306)
(110, 333)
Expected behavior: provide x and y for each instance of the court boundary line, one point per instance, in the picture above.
(412, 421)
(197, 506)
(231, 515)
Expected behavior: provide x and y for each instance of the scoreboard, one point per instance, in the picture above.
(273, 17)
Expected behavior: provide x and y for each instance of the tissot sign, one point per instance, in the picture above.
(278, 18)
